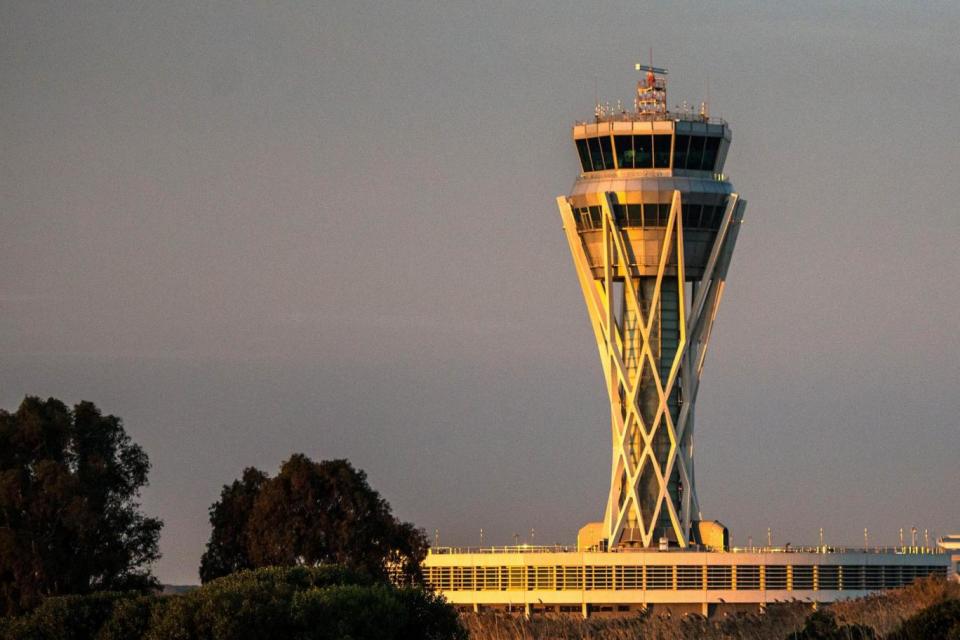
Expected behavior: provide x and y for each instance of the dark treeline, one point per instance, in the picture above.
(313, 552)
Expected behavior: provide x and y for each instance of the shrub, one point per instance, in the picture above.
(130, 618)
(941, 620)
(322, 603)
(64, 618)
(822, 625)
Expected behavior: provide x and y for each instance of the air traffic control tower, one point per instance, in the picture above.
(651, 223)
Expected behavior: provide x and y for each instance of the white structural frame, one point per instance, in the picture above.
(623, 384)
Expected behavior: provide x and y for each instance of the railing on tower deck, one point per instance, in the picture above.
(633, 116)
(558, 548)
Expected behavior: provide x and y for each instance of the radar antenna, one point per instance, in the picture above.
(651, 90)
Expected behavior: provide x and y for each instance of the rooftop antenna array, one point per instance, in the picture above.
(651, 90)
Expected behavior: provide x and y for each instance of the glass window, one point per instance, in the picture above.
(694, 154)
(624, 145)
(710, 220)
(634, 215)
(643, 152)
(584, 155)
(691, 216)
(716, 216)
(697, 216)
(710, 153)
(680, 152)
(649, 221)
(607, 148)
(583, 215)
(595, 155)
(597, 217)
(661, 151)
(664, 214)
(620, 213)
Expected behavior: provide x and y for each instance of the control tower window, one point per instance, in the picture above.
(711, 216)
(710, 153)
(680, 152)
(691, 216)
(601, 153)
(695, 154)
(664, 213)
(607, 148)
(596, 216)
(624, 145)
(584, 155)
(595, 155)
(642, 152)
(629, 215)
(661, 151)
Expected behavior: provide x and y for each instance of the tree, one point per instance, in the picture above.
(69, 518)
(227, 549)
(310, 513)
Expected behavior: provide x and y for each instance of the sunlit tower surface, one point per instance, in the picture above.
(652, 222)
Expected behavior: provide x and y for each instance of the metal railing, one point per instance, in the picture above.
(634, 116)
(517, 548)
(558, 548)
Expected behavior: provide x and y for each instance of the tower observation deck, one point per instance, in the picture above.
(651, 222)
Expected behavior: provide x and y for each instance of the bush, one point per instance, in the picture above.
(822, 625)
(322, 603)
(941, 620)
(130, 618)
(65, 618)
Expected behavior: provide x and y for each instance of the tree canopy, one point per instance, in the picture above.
(69, 517)
(309, 514)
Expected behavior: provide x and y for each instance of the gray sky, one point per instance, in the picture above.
(251, 229)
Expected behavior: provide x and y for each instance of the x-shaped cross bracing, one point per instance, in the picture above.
(624, 382)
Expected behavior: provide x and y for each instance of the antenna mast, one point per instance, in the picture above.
(651, 90)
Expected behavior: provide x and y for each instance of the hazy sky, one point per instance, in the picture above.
(254, 228)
